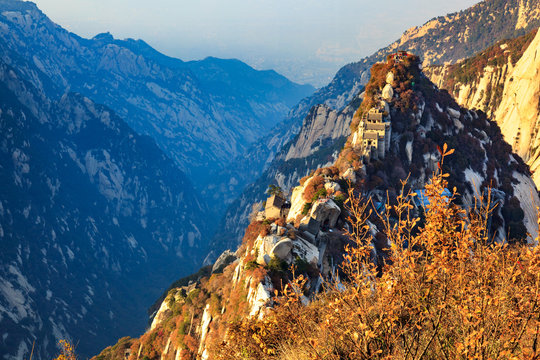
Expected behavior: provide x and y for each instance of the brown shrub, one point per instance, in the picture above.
(265, 231)
(258, 275)
(316, 184)
(191, 344)
(253, 230)
(448, 294)
(280, 221)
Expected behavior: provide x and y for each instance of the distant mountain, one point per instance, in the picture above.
(98, 211)
(445, 39)
(95, 220)
(200, 113)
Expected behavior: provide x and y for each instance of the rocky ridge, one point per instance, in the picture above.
(310, 233)
(518, 114)
(446, 39)
(478, 82)
(196, 111)
(501, 81)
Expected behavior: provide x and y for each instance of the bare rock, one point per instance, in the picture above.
(350, 175)
(282, 249)
(307, 251)
(332, 186)
(390, 77)
(388, 92)
(326, 212)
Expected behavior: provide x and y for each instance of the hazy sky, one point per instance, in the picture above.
(306, 40)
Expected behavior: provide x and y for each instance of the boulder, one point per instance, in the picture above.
(307, 251)
(310, 225)
(332, 187)
(350, 175)
(223, 260)
(282, 249)
(388, 92)
(453, 113)
(326, 212)
(281, 231)
(272, 246)
(390, 77)
(264, 245)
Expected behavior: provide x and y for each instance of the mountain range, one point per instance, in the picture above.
(94, 217)
(118, 163)
(392, 150)
(445, 39)
(106, 144)
(196, 111)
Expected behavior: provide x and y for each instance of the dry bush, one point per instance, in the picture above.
(316, 184)
(446, 292)
(258, 276)
(265, 231)
(253, 230)
(67, 351)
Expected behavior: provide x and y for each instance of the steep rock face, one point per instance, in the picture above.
(518, 114)
(94, 221)
(502, 82)
(322, 126)
(479, 94)
(195, 111)
(323, 134)
(421, 116)
(446, 39)
(478, 82)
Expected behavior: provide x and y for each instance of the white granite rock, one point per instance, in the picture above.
(388, 92)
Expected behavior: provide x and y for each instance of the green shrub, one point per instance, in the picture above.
(192, 295)
(321, 193)
(251, 265)
(277, 265)
(307, 207)
(302, 266)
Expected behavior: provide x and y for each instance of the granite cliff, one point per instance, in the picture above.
(398, 125)
(445, 39)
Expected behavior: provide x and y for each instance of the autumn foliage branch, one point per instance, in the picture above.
(445, 292)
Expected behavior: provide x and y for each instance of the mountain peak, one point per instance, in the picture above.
(106, 36)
